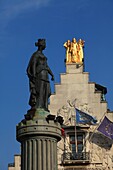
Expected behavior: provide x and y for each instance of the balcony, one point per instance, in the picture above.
(76, 158)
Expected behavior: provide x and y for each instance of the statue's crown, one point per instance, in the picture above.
(40, 42)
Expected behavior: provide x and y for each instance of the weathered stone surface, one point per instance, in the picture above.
(38, 137)
(75, 90)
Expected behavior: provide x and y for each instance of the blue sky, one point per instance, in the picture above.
(22, 22)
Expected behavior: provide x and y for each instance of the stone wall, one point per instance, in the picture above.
(75, 90)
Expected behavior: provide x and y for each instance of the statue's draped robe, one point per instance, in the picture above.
(37, 71)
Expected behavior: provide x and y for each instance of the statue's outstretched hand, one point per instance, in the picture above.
(52, 78)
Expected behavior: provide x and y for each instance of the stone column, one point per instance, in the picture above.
(38, 137)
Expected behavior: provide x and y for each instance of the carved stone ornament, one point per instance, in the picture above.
(68, 111)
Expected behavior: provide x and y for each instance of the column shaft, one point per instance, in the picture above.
(39, 154)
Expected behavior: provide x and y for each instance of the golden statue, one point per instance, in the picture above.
(80, 50)
(74, 51)
(67, 45)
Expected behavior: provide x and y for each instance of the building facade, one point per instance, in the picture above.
(91, 150)
(17, 163)
(82, 146)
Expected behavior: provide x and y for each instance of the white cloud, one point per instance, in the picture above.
(10, 9)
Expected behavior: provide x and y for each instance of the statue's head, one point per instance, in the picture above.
(41, 43)
(68, 42)
(74, 40)
(81, 42)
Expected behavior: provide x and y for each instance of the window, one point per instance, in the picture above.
(77, 149)
(79, 142)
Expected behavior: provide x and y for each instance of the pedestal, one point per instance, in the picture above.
(38, 137)
(74, 68)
